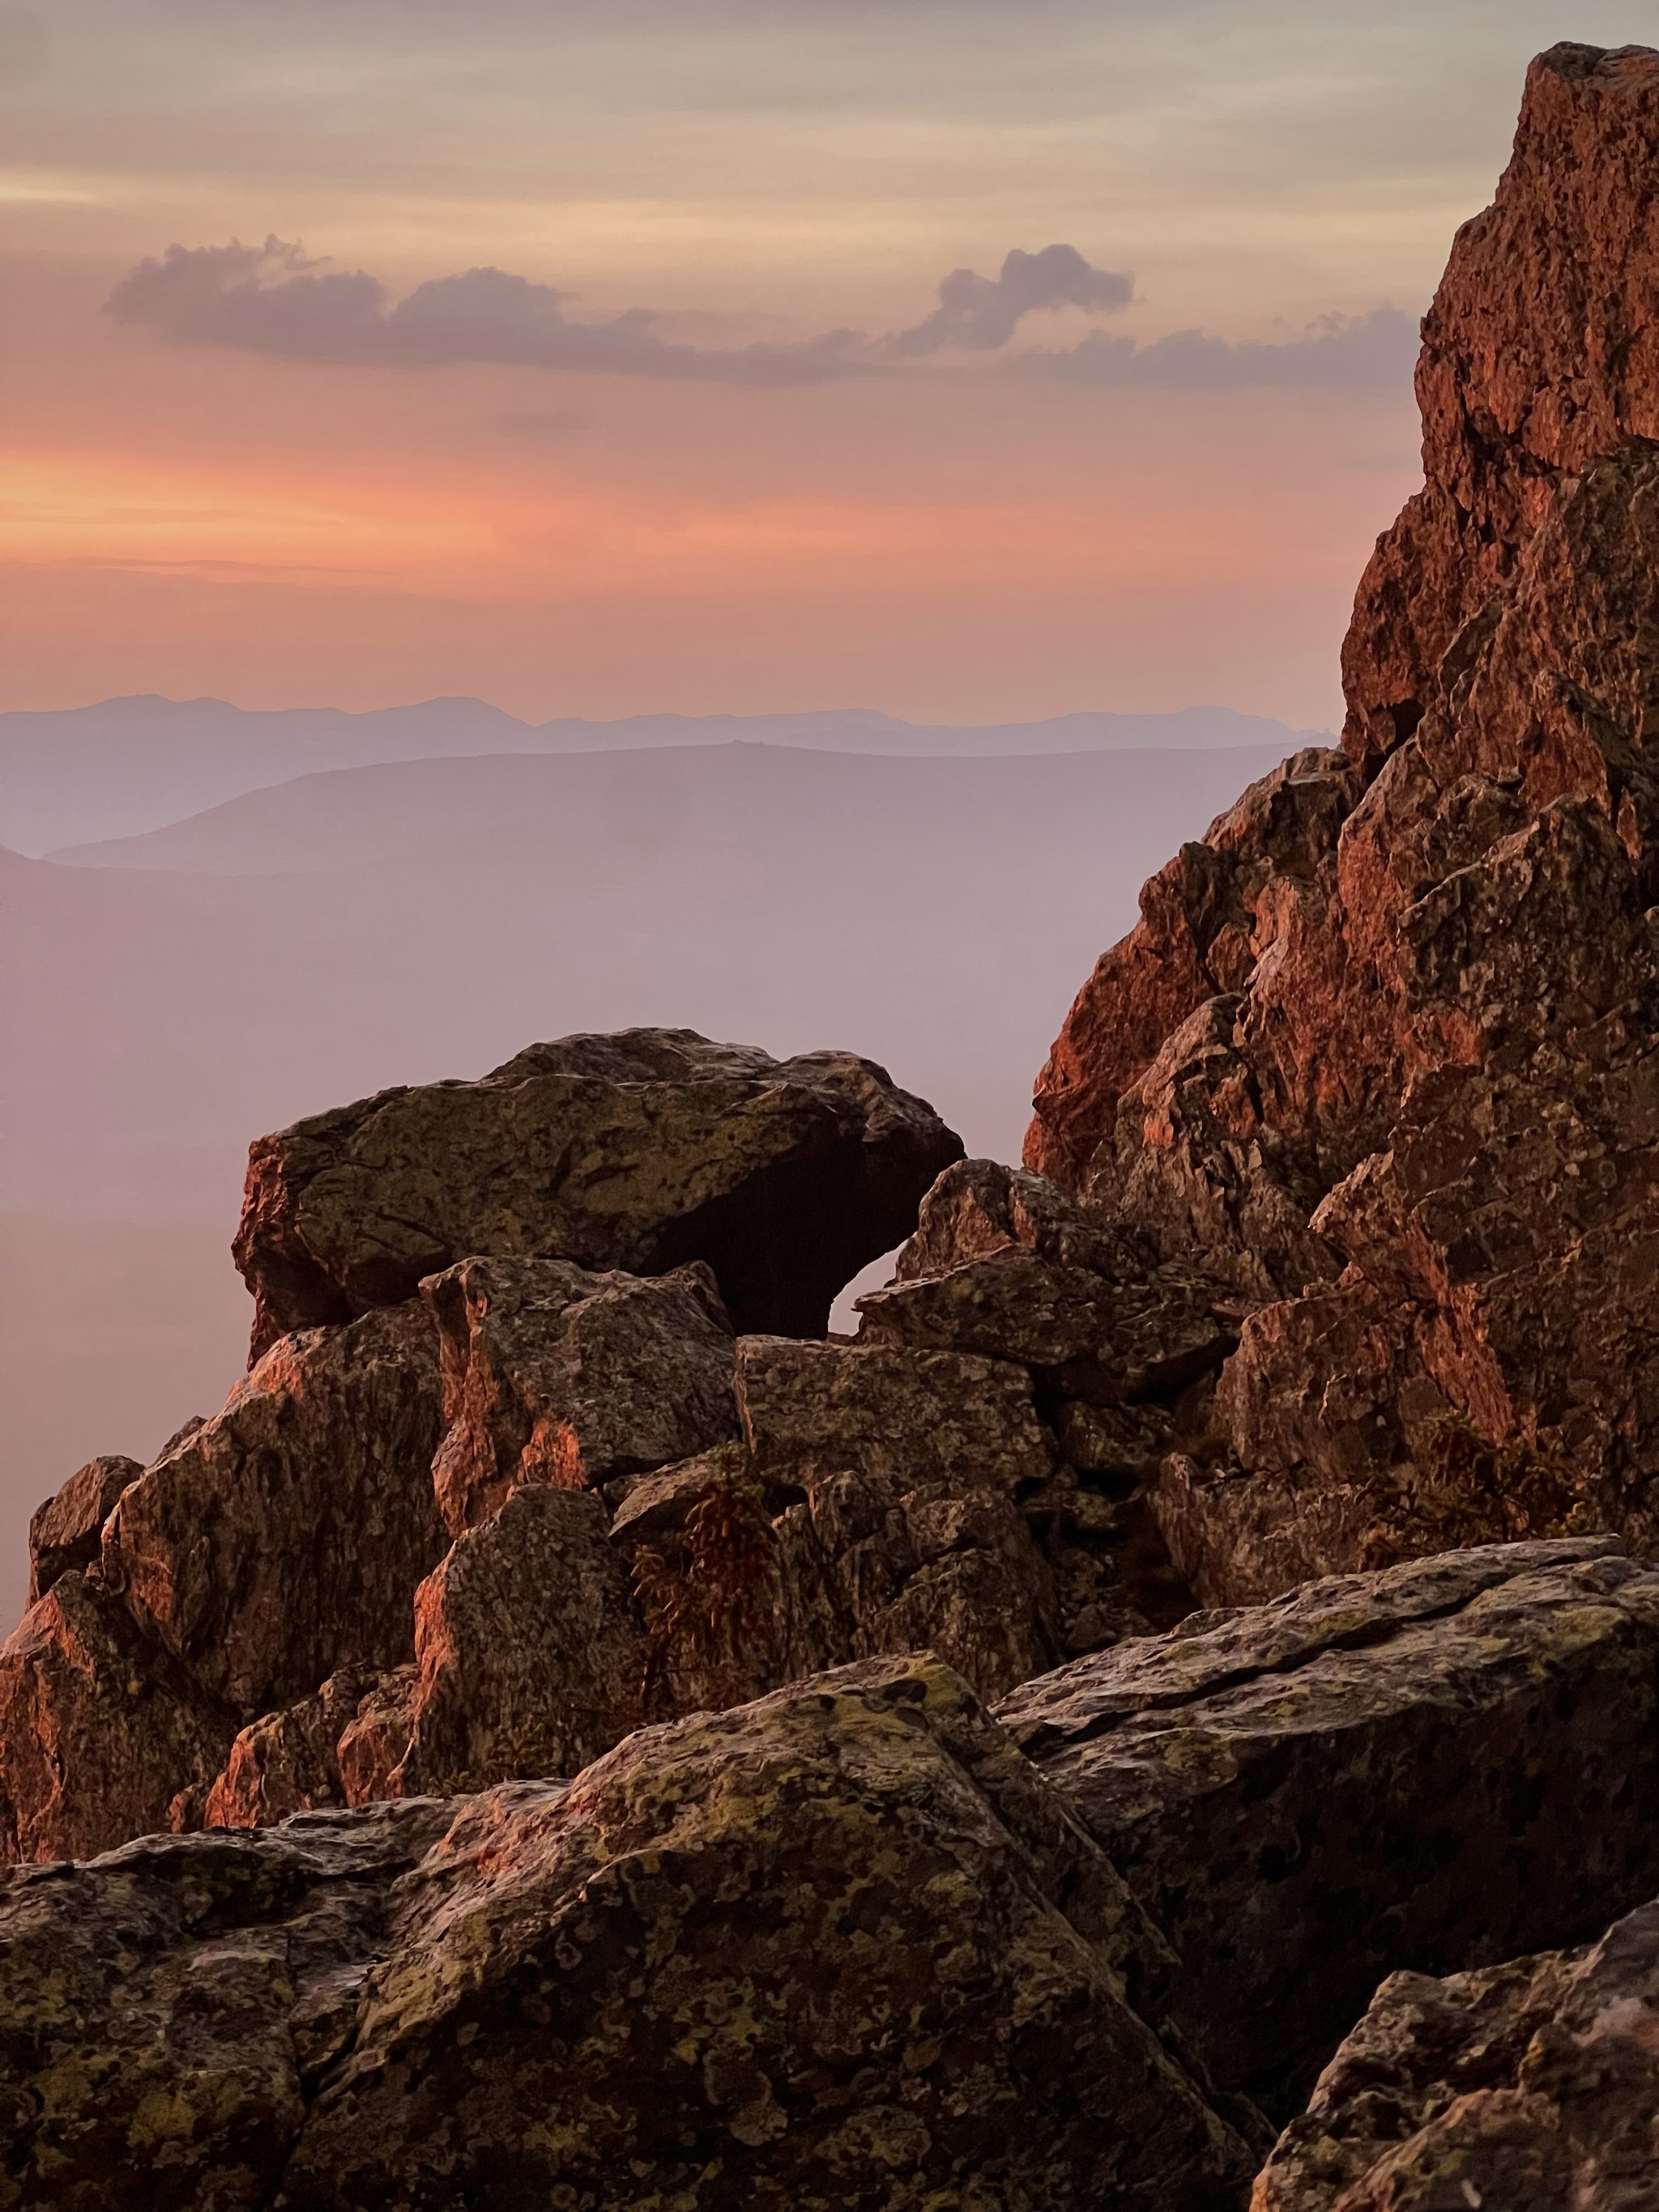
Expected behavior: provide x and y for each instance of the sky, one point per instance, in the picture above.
(969, 362)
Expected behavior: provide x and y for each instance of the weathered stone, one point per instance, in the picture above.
(640, 1151)
(555, 1375)
(1384, 1052)
(65, 1531)
(528, 1653)
(909, 1466)
(1534, 2084)
(286, 1762)
(884, 1966)
(1433, 1767)
(284, 1539)
(100, 1728)
(169, 2009)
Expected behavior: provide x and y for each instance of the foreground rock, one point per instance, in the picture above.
(1383, 1050)
(640, 1151)
(1433, 1767)
(1534, 2084)
(67, 1531)
(884, 1966)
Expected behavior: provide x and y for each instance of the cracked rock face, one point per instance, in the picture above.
(639, 1151)
(1444, 1764)
(1534, 2083)
(886, 1965)
(1383, 1050)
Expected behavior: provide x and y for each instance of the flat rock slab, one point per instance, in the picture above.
(1436, 1767)
(638, 1151)
(840, 1948)
(1532, 2085)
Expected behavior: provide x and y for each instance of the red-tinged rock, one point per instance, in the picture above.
(66, 1531)
(640, 1151)
(1421, 1120)
(284, 1539)
(529, 1657)
(555, 1375)
(100, 1728)
(286, 1762)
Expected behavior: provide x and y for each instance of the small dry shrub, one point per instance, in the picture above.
(1466, 1489)
(707, 1609)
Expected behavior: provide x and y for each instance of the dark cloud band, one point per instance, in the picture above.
(273, 298)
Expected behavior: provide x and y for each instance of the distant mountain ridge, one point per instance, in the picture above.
(79, 776)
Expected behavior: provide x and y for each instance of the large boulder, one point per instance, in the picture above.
(1434, 1767)
(1383, 1051)
(1534, 2084)
(838, 1948)
(835, 1948)
(639, 1151)
(285, 1537)
(555, 1375)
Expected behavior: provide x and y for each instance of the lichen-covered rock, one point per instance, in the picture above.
(639, 1151)
(1534, 2084)
(528, 1657)
(839, 1949)
(555, 1375)
(65, 1532)
(167, 2011)
(284, 1539)
(287, 1762)
(1384, 1052)
(1435, 1767)
(100, 1726)
(910, 1468)
(1008, 1265)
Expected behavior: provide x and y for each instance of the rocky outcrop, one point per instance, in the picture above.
(528, 1657)
(1383, 1050)
(640, 1151)
(1435, 1767)
(885, 1965)
(1534, 2083)
(284, 1538)
(67, 1531)
(101, 1727)
(554, 1375)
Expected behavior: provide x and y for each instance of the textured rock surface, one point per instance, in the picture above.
(1383, 1051)
(639, 1151)
(1532, 2084)
(554, 1375)
(285, 1538)
(66, 1531)
(100, 1728)
(885, 1965)
(528, 1657)
(910, 1467)
(170, 2009)
(287, 1762)
(1435, 1767)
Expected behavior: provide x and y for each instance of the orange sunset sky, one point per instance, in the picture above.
(710, 437)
